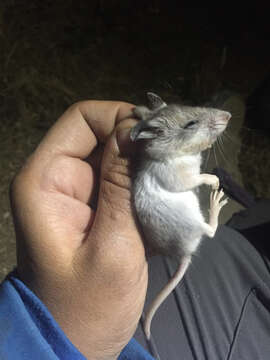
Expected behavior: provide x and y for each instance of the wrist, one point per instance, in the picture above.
(99, 320)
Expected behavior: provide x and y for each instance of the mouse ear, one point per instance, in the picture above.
(142, 131)
(155, 101)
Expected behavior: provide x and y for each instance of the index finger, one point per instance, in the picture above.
(83, 126)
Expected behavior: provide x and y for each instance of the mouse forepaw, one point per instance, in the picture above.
(209, 179)
(215, 184)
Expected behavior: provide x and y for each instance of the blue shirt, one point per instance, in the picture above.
(28, 330)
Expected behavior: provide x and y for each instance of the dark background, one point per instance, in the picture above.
(53, 53)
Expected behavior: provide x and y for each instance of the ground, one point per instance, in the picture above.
(53, 53)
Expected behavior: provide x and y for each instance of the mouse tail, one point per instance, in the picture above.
(164, 293)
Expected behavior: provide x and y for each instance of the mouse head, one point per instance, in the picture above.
(175, 130)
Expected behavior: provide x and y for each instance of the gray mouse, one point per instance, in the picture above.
(170, 139)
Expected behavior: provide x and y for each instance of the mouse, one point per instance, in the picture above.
(170, 139)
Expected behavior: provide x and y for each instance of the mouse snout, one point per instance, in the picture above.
(220, 120)
(224, 116)
(227, 116)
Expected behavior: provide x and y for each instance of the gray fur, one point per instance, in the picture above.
(170, 141)
(172, 225)
(168, 166)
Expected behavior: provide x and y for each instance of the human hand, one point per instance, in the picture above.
(87, 266)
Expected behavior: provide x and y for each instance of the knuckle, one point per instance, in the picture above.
(19, 190)
(18, 182)
(58, 174)
(77, 105)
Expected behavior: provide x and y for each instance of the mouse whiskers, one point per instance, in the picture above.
(206, 160)
(230, 138)
(247, 128)
(220, 147)
(213, 147)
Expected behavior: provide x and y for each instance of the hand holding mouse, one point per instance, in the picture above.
(88, 266)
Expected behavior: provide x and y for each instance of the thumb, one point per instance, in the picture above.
(114, 238)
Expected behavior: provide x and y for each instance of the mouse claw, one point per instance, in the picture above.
(220, 194)
(223, 202)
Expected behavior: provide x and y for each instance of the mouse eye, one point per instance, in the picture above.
(190, 124)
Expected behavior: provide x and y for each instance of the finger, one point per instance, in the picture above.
(70, 176)
(73, 137)
(83, 126)
(114, 233)
(113, 254)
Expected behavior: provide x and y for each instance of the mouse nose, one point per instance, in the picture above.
(222, 116)
(226, 115)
